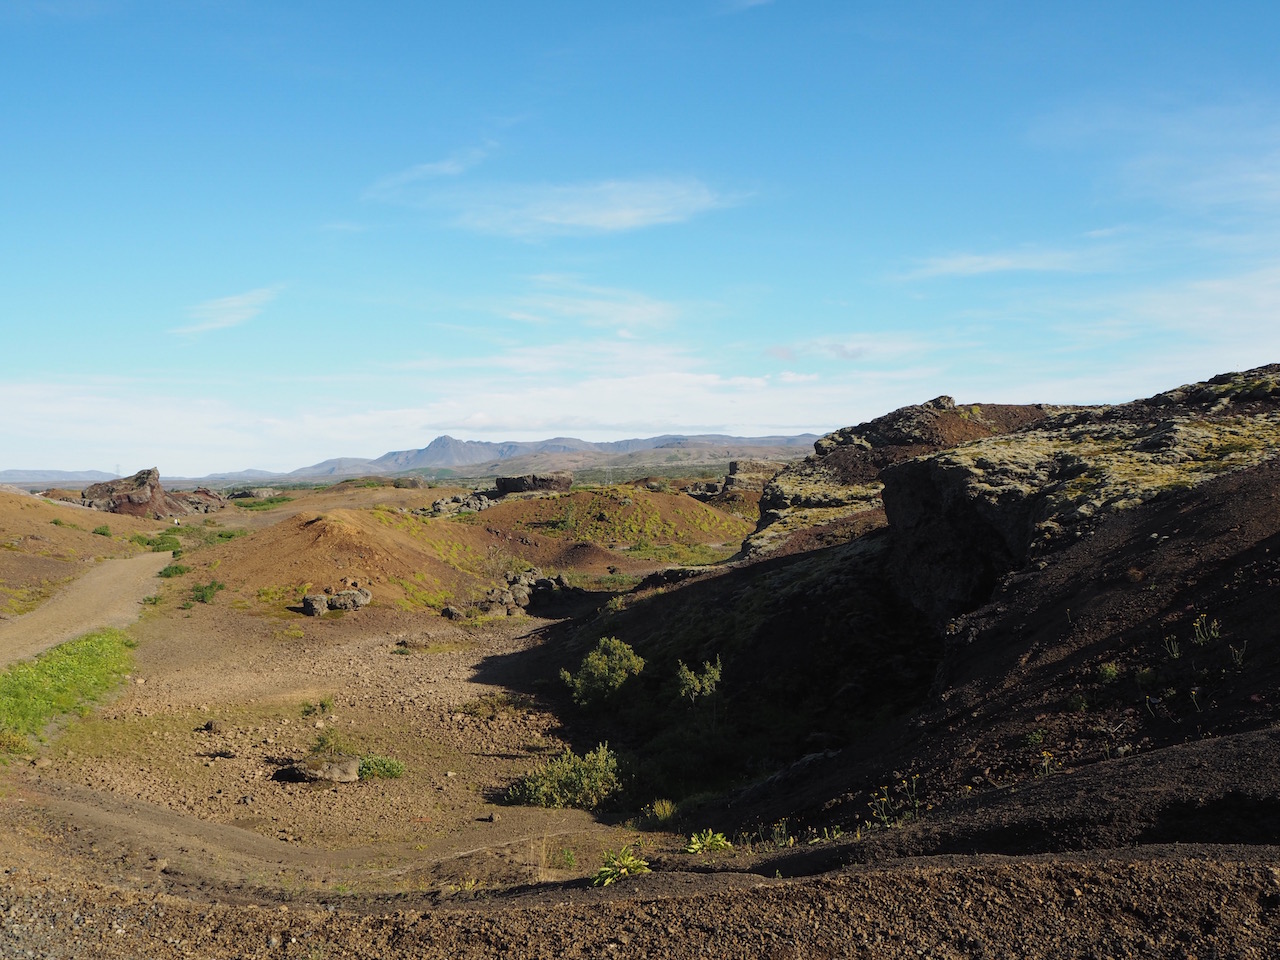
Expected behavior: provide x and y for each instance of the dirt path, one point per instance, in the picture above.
(107, 596)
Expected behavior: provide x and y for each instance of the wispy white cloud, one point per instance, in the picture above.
(976, 264)
(393, 188)
(557, 299)
(605, 206)
(227, 311)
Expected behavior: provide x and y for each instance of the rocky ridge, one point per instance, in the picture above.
(841, 481)
(964, 516)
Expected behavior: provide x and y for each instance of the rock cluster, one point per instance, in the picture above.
(553, 482)
(521, 589)
(256, 493)
(318, 604)
(460, 504)
(142, 496)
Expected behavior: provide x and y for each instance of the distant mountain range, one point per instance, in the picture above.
(482, 458)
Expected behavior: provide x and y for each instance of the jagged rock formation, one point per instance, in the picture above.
(143, 496)
(553, 482)
(841, 481)
(963, 517)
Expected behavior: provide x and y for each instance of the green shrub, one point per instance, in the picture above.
(102, 531)
(374, 766)
(174, 570)
(618, 864)
(568, 780)
(603, 672)
(205, 592)
(1108, 672)
(708, 841)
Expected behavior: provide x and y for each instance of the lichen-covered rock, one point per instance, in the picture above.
(842, 479)
(315, 604)
(963, 517)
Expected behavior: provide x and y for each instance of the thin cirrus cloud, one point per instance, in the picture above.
(400, 187)
(223, 312)
(977, 264)
(605, 206)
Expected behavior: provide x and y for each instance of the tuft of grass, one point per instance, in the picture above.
(1108, 672)
(61, 681)
(618, 864)
(660, 813)
(174, 570)
(102, 531)
(330, 743)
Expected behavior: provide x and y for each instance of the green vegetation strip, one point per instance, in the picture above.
(64, 680)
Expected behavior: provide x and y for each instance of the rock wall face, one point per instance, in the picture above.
(963, 517)
(556, 482)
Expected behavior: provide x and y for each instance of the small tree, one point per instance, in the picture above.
(604, 670)
(694, 685)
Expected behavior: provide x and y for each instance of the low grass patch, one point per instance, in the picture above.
(173, 570)
(374, 767)
(64, 680)
(205, 592)
(266, 503)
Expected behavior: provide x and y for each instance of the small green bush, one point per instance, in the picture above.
(618, 864)
(568, 780)
(205, 592)
(374, 766)
(102, 531)
(1108, 672)
(603, 672)
(174, 570)
(708, 841)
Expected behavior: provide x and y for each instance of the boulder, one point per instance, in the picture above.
(315, 604)
(530, 482)
(335, 769)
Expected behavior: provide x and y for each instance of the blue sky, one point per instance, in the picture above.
(260, 234)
